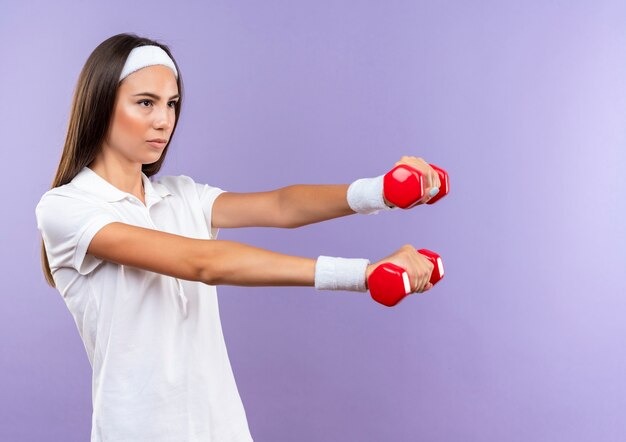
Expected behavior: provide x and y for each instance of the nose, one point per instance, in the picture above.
(164, 117)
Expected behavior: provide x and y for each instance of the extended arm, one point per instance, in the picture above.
(214, 262)
(226, 262)
(303, 204)
(288, 207)
(235, 263)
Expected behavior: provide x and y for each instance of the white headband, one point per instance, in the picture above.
(147, 55)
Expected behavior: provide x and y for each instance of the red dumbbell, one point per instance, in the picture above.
(389, 283)
(404, 186)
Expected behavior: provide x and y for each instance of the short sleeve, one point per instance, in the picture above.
(207, 195)
(67, 226)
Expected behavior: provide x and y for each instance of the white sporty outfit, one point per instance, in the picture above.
(161, 372)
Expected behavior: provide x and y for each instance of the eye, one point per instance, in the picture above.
(150, 101)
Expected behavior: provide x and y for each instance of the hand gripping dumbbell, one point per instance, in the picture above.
(404, 186)
(389, 283)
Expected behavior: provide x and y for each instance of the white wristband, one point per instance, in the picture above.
(333, 273)
(365, 196)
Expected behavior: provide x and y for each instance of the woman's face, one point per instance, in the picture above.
(144, 110)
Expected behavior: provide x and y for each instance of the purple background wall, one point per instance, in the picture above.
(523, 103)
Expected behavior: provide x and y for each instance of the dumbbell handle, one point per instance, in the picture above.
(389, 283)
(403, 186)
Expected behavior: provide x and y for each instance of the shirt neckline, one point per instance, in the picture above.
(89, 181)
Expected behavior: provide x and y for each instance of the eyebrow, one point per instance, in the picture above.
(155, 96)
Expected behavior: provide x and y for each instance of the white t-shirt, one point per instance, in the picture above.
(161, 372)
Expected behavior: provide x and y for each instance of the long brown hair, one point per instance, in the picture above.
(92, 111)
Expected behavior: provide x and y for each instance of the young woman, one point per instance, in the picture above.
(137, 261)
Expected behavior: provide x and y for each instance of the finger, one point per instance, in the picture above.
(436, 182)
(415, 286)
(428, 283)
(425, 282)
(420, 285)
(434, 177)
(418, 288)
(429, 184)
(428, 194)
(429, 270)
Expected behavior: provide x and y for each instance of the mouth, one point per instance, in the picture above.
(157, 143)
